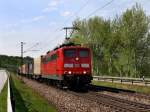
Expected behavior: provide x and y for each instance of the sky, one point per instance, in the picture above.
(39, 23)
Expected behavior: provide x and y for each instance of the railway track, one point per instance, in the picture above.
(117, 104)
(113, 104)
(137, 95)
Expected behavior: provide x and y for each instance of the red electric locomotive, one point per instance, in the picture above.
(68, 65)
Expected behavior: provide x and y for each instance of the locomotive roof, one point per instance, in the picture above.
(67, 45)
(74, 47)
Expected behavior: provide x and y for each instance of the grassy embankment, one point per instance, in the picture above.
(136, 88)
(3, 99)
(26, 100)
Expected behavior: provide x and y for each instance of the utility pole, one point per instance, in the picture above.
(22, 43)
(69, 28)
(22, 52)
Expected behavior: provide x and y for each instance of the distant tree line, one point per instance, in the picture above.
(120, 46)
(12, 63)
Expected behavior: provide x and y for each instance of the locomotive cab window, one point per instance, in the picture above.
(70, 53)
(83, 53)
(52, 57)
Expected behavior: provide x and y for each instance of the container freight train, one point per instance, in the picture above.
(65, 66)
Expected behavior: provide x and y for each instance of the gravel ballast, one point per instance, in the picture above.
(70, 101)
(63, 100)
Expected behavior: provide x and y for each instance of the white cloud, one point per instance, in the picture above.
(8, 26)
(34, 19)
(38, 18)
(49, 9)
(52, 24)
(65, 13)
(52, 5)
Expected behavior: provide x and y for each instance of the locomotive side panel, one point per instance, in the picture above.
(50, 65)
(60, 64)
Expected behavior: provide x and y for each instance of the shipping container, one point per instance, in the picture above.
(30, 68)
(24, 69)
(37, 66)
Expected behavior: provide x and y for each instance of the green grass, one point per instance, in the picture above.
(3, 99)
(26, 100)
(138, 89)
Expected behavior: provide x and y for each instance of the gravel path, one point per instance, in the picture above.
(3, 78)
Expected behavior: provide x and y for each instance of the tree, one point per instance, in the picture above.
(120, 46)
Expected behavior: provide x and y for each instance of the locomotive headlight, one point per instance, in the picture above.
(65, 72)
(66, 65)
(85, 65)
(84, 72)
(77, 58)
(69, 72)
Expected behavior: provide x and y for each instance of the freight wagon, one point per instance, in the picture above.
(37, 68)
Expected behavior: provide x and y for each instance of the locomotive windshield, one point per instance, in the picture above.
(83, 53)
(70, 53)
(73, 53)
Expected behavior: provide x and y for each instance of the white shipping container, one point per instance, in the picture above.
(37, 66)
(24, 69)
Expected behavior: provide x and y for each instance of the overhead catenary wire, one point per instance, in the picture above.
(66, 21)
(100, 8)
(78, 11)
(75, 14)
(52, 40)
(30, 48)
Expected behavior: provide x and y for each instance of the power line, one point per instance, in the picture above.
(52, 40)
(22, 43)
(108, 3)
(78, 11)
(57, 29)
(75, 14)
(29, 49)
